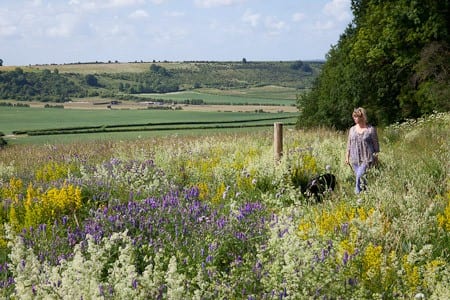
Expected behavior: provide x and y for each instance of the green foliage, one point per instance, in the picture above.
(299, 65)
(159, 70)
(26, 84)
(91, 80)
(388, 60)
(41, 86)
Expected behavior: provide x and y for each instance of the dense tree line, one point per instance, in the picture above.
(156, 80)
(43, 86)
(393, 59)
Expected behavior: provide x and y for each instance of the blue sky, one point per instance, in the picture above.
(67, 31)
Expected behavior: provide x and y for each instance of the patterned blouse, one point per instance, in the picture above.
(362, 146)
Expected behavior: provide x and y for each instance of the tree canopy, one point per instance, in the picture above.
(393, 59)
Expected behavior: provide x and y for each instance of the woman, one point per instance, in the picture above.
(362, 147)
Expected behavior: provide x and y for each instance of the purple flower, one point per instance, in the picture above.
(134, 284)
(344, 228)
(42, 227)
(241, 236)
(345, 258)
(352, 282)
(323, 255)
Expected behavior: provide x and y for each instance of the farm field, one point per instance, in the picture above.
(216, 99)
(138, 122)
(90, 68)
(215, 217)
(270, 96)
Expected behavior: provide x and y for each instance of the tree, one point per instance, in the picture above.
(431, 79)
(91, 80)
(157, 69)
(375, 62)
(1, 62)
(297, 65)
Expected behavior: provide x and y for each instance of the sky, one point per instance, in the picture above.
(69, 31)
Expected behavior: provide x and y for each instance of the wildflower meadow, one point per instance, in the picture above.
(216, 217)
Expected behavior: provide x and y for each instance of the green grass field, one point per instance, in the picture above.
(263, 96)
(265, 92)
(132, 123)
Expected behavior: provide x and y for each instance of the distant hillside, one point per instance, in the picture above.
(59, 83)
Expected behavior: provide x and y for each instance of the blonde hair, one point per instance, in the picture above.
(360, 112)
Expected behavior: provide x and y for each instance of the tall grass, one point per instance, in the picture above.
(214, 217)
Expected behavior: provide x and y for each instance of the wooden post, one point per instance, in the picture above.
(277, 141)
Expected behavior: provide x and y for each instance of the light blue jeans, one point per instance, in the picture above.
(361, 182)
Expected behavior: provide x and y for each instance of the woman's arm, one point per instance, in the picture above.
(347, 151)
(376, 145)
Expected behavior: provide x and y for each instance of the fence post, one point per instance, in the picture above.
(278, 141)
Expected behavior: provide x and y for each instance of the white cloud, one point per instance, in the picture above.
(174, 14)
(325, 25)
(7, 26)
(138, 14)
(7, 30)
(64, 27)
(274, 26)
(116, 3)
(117, 31)
(102, 4)
(59, 31)
(338, 9)
(297, 17)
(36, 2)
(271, 24)
(251, 18)
(170, 36)
(214, 3)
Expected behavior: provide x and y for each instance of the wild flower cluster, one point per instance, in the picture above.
(209, 218)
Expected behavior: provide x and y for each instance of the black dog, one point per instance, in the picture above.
(320, 184)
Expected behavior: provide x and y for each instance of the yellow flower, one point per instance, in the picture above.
(203, 191)
(412, 273)
(44, 207)
(13, 190)
(444, 218)
(347, 246)
(53, 171)
(304, 228)
(372, 262)
(220, 194)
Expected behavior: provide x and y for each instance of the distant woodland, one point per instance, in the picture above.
(55, 85)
